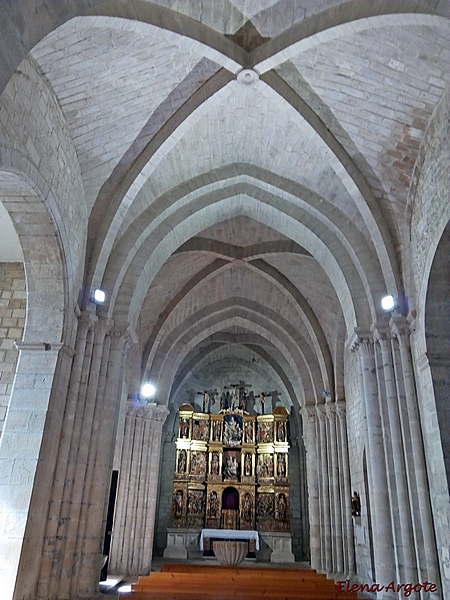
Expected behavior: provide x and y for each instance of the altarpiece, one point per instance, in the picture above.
(231, 470)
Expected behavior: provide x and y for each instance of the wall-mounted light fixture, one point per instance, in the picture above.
(388, 303)
(98, 297)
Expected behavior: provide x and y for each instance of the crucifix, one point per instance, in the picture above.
(238, 395)
(208, 399)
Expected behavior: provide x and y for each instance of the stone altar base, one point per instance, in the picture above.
(281, 545)
(181, 542)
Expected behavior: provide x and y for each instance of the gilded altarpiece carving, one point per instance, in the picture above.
(231, 470)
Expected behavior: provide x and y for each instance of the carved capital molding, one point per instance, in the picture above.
(364, 344)
(341, 410)
(330, 411)
(401, 329)
(309, 414)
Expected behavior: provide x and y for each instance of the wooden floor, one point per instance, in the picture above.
(211, 582)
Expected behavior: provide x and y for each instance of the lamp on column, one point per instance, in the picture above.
(143, 397)
(388, 303)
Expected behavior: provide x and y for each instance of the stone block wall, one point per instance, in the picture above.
(12, 322)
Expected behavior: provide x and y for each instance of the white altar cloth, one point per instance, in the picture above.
(230, 534)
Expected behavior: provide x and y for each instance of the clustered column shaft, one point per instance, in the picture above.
(404, 548)
(131, 550)
(332, 549)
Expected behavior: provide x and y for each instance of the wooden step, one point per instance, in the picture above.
(212, 582)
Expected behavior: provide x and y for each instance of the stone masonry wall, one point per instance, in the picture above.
(12, 322)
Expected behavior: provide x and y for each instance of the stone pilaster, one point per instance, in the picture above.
(134, 524)
(310, 436)
(378, 485)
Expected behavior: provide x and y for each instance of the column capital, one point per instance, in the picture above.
(330, 411)
(87, 318)
(401, 329)
(321, 412)
(341, 410)
(149, 412)
(364, 342)
(309, 413)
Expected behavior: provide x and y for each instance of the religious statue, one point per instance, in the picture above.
(280, 432)
(262, 402)
(215, 463)
(356, 505)
(282, 506)
(248, 465)
(184, 428)
(216, 431)
(208, 399)
(248, 433)
(182, 458)
(247, 507)
(213, 505)
(231, 468)
(178, 503)
(281, 465)
(232, 431)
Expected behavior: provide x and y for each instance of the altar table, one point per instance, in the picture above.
(229, 534)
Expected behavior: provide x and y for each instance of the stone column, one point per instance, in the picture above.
(309, 428)
(20, 452)
(378, 487)
(134, 523)
(346, 505)
(335, 477)
(325, 505)
(423, 526)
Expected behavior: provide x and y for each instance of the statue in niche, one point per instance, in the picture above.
(182, 459)
(356, 505)
(281, 465)
(215, 462)
(232, 430)
(216, 431)
(247, 507)
(184, 428)
(281, 436)
(213, 505)
(248, 432)
(248, 465)
(282, 506)
(231, 468)
(178, 504)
